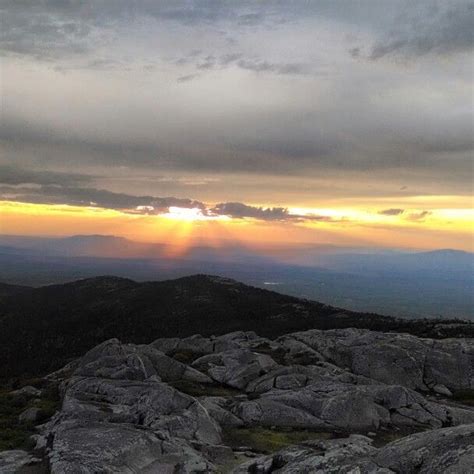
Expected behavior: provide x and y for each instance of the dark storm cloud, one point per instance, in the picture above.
(391, 212)
(11, 175)
(438, 29)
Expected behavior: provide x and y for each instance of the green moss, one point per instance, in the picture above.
(278, 355)
(384, 437)
(203, 389)
(15, 438)
(16, 435)
(267, 440)
(466, 397)
(186, 357)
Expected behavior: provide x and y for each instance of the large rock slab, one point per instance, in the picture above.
(349, 408)
(236, 368)
(92, 447)
(122, 411)
(19, 461)
(113, 360)
(448, 450)
(442, 451)
(118, 415)
(387, 357)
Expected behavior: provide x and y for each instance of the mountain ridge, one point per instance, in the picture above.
(50, 325)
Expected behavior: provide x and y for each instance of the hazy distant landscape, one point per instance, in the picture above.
(436, 284)
(236, 237)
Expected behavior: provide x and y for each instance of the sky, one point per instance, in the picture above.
(342, 122)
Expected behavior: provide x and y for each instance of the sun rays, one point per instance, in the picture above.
(189, 228)
(179, 230)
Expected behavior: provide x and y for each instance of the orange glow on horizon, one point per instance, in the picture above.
(180, 229)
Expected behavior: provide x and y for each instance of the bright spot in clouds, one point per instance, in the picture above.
(190, 214)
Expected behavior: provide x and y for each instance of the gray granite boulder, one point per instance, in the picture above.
(124, 408)
(19, 461)
(442, 451)
(388, 357)
(30, 415)
(447, 450)
(27, 391)
(235, 368)
(93, 447)
(149, 404)
(113, 360)
(348, 407)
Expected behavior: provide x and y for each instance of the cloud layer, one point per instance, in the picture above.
(374, 93)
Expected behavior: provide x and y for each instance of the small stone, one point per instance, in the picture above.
(30, 415)
(27, 390)
(442, 390)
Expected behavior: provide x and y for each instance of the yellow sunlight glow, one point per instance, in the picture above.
(187, 229)
(185, 214)
(182, 228)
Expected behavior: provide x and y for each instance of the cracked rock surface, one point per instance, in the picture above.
(383, 400)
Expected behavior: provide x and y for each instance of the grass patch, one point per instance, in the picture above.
(196, 389)
(186, 356)
(16, 435)
(266, 440)
(385, 437)
(466, 396)
(278, 355)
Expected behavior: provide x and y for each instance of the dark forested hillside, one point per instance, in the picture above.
(41, 329)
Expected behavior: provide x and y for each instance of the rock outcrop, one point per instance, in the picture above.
(172, 405)
(447, 450)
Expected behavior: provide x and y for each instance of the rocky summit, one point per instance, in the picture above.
(344, 400)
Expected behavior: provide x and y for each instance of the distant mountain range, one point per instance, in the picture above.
(388, 281)
(43, 328)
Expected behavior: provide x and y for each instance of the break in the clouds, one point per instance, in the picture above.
(378, 93)
(38, 187)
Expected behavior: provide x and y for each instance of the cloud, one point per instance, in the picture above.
(187, 78)
(276, 68)
(439, 31)
(11, 175)
(25, 189)
(240, 210)
(352, 124)
(78, 196)
(418, 216)
(238, 59)
(50, 29)
(391, 212)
